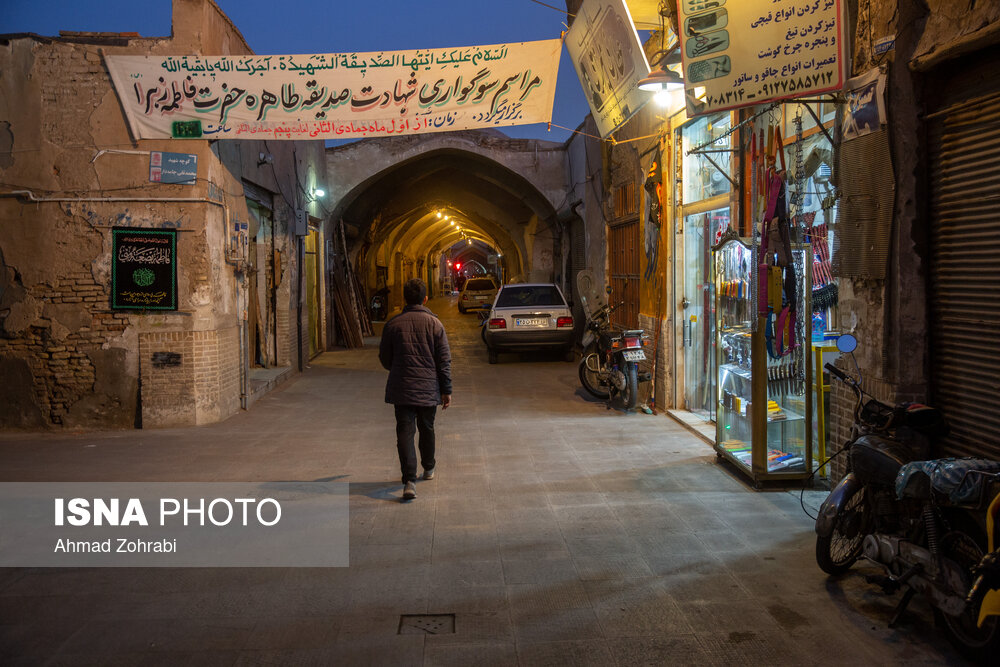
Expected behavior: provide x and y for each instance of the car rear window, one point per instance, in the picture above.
(529, 295)
(480, 284)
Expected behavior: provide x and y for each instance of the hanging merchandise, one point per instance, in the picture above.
(777, 280)
(762, 405)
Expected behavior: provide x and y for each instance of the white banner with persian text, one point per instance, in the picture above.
(338, 95)
(738, 54)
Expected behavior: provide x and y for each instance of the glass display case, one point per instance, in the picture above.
(764, 412)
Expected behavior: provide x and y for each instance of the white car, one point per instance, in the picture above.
(477, 293)
(529, 316)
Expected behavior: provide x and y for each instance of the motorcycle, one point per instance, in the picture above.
(610, 363)
(922, 522)
(377, 307)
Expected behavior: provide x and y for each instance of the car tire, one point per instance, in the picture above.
(482, 332)
(461, 310)
(493, 355)
(569, 354)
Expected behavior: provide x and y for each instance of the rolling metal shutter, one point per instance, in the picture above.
(964, 214)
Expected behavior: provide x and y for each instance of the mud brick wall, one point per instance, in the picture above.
(60, 353)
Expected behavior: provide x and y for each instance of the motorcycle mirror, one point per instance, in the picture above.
(847, 343)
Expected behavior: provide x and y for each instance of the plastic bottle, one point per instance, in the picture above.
(818, 325)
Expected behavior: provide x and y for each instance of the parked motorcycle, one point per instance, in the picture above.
(610, 363)
(378, 307)
(922, 522)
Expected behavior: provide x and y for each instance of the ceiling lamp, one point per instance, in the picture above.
(661, 79)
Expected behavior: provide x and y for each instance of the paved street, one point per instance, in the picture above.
(557, 533)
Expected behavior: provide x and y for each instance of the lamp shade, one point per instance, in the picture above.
(661, 79)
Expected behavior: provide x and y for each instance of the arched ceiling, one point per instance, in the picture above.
(397, 209)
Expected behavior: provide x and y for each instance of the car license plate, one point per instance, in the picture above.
(530, 322)
(634, 355)
(482, 298)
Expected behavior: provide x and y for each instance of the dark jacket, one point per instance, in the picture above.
(414, 349)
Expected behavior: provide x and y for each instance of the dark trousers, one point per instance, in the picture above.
(409, 419)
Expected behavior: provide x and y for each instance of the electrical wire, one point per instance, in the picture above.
(561, 11)
(802, 491)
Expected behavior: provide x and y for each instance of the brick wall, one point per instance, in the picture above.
(188, 377)
(842, 401)
(61, 357)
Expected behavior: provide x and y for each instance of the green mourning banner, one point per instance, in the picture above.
(143, 269)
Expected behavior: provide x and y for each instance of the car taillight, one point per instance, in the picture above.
(631, 342)
(498, 323)
(564, 322)
(615, 344)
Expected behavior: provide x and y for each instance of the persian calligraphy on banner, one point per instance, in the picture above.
(339, 95)
(745, 53)
(609, 60)
(143, 269)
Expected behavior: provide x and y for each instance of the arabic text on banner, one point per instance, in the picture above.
(339, 96)
(745, 53)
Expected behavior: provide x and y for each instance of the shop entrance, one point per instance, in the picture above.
(704, 213)
(698, 322)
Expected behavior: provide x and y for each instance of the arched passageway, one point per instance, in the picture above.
(456, 206)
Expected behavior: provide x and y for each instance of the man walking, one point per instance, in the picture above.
(414, 349)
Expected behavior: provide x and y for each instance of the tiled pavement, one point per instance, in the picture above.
(556, 532)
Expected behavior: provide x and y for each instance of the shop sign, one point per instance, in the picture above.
(143, 269)
(739, 54)
(179, 168)
(609, 61)
(337, 95)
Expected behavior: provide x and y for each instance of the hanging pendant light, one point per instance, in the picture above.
(661, 80)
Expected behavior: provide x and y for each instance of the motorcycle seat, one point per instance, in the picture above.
(949, 477)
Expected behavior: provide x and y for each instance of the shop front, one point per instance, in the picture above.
(751, 306)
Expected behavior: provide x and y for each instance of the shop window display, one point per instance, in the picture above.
(763, 385)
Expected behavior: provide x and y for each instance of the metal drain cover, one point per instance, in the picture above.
(427, 624)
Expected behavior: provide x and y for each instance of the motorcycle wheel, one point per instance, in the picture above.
(630, 393)
(589, 379)
(838, 551)
(978, 644)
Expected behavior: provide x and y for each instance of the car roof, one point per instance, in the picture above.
(531, 285)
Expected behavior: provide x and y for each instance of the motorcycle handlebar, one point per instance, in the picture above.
(837, 372)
